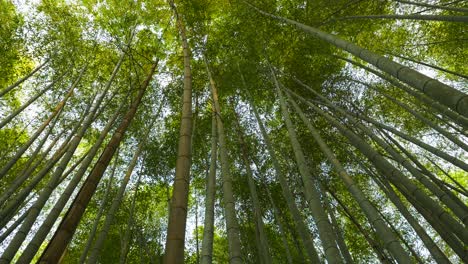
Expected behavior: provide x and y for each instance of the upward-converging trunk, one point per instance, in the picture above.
(20, 81)
(208, 226)
(44, 124)
(175, 239)
(302, 229)
(326, 233)
(232, 226)
(391, 242)
(438, 91)
(261, 238)
(67, 227)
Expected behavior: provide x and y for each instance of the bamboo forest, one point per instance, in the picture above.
(233, 131)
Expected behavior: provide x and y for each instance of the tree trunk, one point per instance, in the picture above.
(404, 184)
(325, 229)
(261, 238)
(97, 219)
(232, 226)
(30, 101)
(20, 81)
(208, 225)
(93, 258)
(438, 91)
(461, 120)
(372, 214)
(175, 239)
(67, 227)
(36, 134)
(302, 229)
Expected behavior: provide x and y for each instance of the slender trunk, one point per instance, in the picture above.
(232, 226)
(372, 214)
(175, 239)
(277, 216)
(433, 249)
(15, 201)
(423, 119)
(208, 229)
(36, 134)
(438, 91)
(457, 162)
(46, 191)
(339, 235)
(12, 228)
(449, 176)
(430, 65)
(97, 219)
(30, 101)
(461, 120)
(29, 167)
(302, 229)
(408, 188)
(93, 258)
(262, 241)
(67, 227)
(459, 211)
(372, 242)
(325, 229)
(452, 18)
(128, 230)
(438, 183)
(20, 81)
(456, 9)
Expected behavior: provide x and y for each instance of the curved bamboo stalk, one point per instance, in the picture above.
(449, 96)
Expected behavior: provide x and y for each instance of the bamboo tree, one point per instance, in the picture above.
(100, 212)
(433, 249)
(20, 81)
(175, 240)
(463, 121)
(67, 227)
(31, 100)
(277, 214)
(208, 229)
(338, 232)
(391, 242)
(457, 162)
(459, 211)
(326, 233)
(302, 229)
(232, 226)
(261, 238)
(93, 258)
(128, 230)
(15, 201)
(423, 119)
(378, 250)
(430, 65)
(36, 134)
(456, 100)
(404, 184)
(45, 193)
